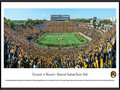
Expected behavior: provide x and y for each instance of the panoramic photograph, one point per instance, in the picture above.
(59, 38)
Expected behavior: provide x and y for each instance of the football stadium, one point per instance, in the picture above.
(59, 43)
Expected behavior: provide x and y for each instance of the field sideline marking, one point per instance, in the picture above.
(85, 36)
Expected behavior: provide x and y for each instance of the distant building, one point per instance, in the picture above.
(98, 21)
(105, 26)
(60, 17)
(91, 21)
(108, 26)
(112, 19)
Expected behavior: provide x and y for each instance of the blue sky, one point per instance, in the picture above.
(39, 13)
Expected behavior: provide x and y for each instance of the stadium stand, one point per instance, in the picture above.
(60, 26)
(19, 52)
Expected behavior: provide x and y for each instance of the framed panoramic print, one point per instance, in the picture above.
(60, 44)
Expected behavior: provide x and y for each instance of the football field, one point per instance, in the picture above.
(65, 40)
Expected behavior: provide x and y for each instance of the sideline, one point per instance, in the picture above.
(85, 36)
(99, 31)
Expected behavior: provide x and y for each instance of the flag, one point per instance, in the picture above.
(40, 62)
(84, 64)
(104, 50)
(12, 51)
(101, 63)
(20, 55)
(110, 61)
(99, 49)
(106, 59)
(110, 46)
(89, 55)
(81, 58)
(97, 63)
(107, 48)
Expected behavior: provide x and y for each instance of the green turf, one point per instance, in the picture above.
(68, 39)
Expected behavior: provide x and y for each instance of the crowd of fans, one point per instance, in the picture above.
(19, 52)
(60, 26)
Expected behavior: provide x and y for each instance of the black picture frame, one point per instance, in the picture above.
(57, 1)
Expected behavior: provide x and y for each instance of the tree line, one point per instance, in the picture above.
(9, 23)
(29, 21)
(82, 20)
(106, 21)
